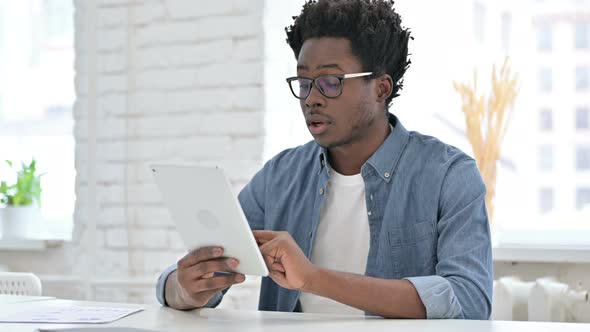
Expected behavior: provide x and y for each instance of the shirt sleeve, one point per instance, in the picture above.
(252, 198)
(160, 285)
(161, 289)
(462, 286)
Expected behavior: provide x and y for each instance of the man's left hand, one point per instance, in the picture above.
(287, 264)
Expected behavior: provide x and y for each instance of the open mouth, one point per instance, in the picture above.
(317, 127)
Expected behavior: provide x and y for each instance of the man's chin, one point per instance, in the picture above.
(322, 141)
(328, 143)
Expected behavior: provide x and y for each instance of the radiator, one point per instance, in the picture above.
(545, 299)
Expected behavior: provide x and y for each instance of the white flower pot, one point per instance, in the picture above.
(16, 220)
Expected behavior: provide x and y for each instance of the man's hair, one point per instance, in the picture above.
(372, 26)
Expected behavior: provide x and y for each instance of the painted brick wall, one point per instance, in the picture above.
(175, 79)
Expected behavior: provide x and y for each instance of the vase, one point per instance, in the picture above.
(16, 220)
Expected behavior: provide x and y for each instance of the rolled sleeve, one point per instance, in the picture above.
(438, 297)
(161, 284)
(464, 270)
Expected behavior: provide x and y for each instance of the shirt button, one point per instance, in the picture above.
(386, 175)
(321, 191)
(369, 213)
(310, 234)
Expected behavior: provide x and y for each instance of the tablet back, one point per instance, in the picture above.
(206, 213)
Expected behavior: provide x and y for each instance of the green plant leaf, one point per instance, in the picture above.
(26, 190)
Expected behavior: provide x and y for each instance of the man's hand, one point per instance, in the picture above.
(288, 266)
(194, 283)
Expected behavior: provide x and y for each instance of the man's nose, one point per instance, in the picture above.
(315, 98)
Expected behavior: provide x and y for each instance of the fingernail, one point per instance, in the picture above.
(217, 251)
(240, 277)
(233, 263)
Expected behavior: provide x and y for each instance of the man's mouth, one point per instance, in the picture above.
(317, 127)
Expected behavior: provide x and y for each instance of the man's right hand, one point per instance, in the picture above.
(194, 283)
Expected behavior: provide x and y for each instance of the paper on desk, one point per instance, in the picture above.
(70, 314)
(9, 299)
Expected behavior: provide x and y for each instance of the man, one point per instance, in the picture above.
(368, 217)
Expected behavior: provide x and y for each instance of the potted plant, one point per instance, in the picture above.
(20, 201)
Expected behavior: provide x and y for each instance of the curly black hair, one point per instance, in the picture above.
(372, 26)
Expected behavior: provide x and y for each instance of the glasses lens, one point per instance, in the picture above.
(300, 87)
(330, 85)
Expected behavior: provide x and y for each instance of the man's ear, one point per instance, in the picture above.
(384, 87)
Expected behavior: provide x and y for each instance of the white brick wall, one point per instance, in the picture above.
(175, 79)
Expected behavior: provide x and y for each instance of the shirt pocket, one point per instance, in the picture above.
(413, 249)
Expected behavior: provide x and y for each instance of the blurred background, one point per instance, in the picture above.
(93, 90)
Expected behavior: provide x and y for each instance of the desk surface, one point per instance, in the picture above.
(165, 319)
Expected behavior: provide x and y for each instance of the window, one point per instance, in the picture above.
(506, 30)
(583, 158)
(1, 30)
(546, 200)
(544, 37)
(582, 78)
(545, 80)
(583, 198)
(582, 35)
(545, 158)
(58, 23)
(36, 99)
(582, 118)
(545, 120)
(479, 22)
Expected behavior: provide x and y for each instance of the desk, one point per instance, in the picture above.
(222, 320)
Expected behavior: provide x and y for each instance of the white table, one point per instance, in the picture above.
(10, 299)
(166, 319)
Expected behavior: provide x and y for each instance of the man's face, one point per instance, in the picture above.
(346, 119)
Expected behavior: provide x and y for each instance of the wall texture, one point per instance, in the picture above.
(164, 79)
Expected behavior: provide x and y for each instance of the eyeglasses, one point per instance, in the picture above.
(328, 85)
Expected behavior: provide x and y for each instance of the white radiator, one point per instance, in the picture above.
(545, 299)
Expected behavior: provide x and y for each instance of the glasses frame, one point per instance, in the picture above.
(340, 77)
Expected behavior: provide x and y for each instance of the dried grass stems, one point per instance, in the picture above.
(487, 122)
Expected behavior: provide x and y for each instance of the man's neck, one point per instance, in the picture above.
(349, 159)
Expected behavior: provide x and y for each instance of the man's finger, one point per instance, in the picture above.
(202, 254)
(264, 236)
(205, 268)
(214, 283)
(278, 277)
(205, 253)
(278, 267)
(268, 260)
(267, 248)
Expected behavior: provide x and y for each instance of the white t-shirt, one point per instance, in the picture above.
(342, 238)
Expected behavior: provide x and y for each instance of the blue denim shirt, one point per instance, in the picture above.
(427, 218)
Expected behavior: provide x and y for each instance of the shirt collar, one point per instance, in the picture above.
(385, 159)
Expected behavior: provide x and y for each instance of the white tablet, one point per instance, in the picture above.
(206, 213)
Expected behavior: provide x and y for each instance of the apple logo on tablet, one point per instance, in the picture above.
(207, 219)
